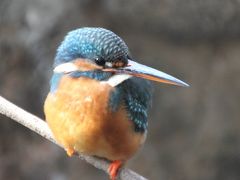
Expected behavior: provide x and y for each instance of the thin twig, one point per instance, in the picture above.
(40, 127)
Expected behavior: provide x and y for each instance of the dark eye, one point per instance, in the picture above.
(100, 61)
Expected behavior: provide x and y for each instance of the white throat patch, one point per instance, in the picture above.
(117, 79)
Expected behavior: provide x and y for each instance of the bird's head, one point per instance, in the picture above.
(99, 50)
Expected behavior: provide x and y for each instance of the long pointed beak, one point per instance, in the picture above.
(139, 70)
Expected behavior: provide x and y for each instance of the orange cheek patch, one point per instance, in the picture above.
(86, 65)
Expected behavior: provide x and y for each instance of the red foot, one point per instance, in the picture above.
(113, 169)
(69, 151)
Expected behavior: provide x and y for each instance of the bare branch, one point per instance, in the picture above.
(39, 126)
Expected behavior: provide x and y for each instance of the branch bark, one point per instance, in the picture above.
(40, 127)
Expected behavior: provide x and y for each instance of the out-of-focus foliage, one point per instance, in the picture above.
(194, 132)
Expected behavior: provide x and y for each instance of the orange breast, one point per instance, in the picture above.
(79, 116)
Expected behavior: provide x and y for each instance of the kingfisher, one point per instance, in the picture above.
(99, 96)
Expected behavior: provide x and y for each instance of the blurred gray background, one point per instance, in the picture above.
(193, 132)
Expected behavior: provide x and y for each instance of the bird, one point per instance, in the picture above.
(99, 96)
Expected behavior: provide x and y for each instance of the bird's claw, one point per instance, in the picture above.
(70, 152)
(113, 169)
